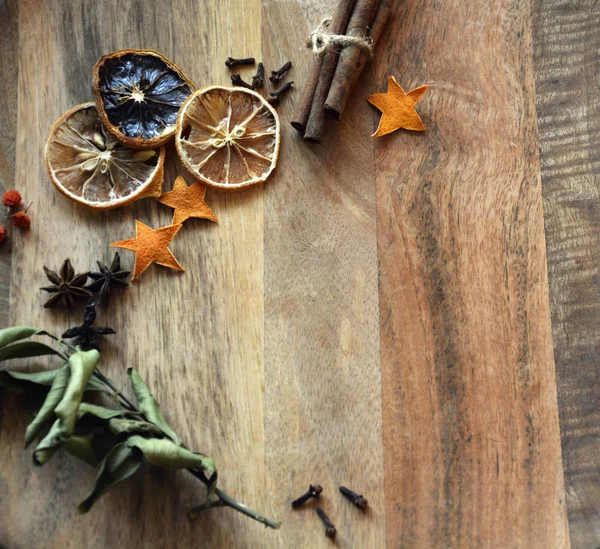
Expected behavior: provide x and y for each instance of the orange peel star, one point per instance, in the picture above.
(187, 201)
(397, 108)
(151, 246)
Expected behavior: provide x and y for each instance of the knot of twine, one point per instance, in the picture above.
(321, 40)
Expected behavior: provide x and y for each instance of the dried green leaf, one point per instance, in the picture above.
(133, 426)
(19, 381)
(99, 412)
(10, 382)
(149, 406)
(16, 333)
(99, 439)
(81, 364)
(46, 412)
(164, 453)
(49, 444)
(80, 446)
(120, 463)
(94, 384)
(44, 377)
(25, 349)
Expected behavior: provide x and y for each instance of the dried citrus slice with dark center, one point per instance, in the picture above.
(228, 137)
(88, 165)
(138, 95)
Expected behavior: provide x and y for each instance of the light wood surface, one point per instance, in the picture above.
(377, 315)
(196, 338)
(322, 375)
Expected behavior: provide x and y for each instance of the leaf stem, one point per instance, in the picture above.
(194, 509)
(61, 341)
(120, 397)
(225, 500)
(246, 510)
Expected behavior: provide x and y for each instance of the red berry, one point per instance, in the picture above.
(2, 234)
(21, 220)
(11, 198)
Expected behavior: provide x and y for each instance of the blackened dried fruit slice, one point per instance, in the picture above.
(138, 95)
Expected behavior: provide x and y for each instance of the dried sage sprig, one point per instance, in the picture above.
(114, 440)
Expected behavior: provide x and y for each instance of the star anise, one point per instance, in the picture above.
(85, 335)
(108, 277)
(66, 286)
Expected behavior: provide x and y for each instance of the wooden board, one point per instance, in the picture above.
(321, 310)
(178, 330)
(568, 100)
(8, 131)
(470, 424)
(375, 315)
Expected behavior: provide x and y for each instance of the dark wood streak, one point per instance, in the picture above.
(567, 66)
(435, 257)
(9, 30)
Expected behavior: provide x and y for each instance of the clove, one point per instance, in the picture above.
(231, 62)
(313, 492)
(330, 530)
(237, 80)
(278, 74)
(355, 498)
(274, 97)
(258, 79)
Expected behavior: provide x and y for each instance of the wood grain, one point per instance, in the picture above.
(568, 106)
(322, 374)
(8, 131)
(471, 437)
(196, 338)
(377, 315)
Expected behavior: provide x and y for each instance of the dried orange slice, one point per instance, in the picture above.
(138, 95)
(228, 137)
(89, 166)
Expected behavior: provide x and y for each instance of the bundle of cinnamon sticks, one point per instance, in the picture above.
(333, 75)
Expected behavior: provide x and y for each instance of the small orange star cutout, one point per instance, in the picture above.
(398, 108)
(150, 246)
(187, 201)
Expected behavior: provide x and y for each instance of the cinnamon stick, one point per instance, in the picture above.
(316, 119)
(304, 106)
(334, 111)
(353, 59)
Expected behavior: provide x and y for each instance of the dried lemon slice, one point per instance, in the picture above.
(228, 137)
(138, 95)
(91, 167)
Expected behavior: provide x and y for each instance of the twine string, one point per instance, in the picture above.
(321, 40)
